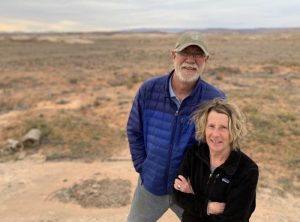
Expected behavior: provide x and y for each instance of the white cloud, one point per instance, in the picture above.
(93, 15)
(29, 25)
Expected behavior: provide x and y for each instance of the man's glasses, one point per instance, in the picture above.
(195, 55)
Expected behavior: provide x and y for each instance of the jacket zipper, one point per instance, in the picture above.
(171, 147)
(210, 183)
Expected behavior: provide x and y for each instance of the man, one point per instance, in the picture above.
(160, 129)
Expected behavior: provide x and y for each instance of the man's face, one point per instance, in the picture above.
(189, 63)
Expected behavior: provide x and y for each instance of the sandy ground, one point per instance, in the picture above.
(27, 187)
(87, 77)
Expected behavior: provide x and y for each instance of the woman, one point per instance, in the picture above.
(217, 182)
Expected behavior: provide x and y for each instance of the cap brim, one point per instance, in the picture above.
(183, 46)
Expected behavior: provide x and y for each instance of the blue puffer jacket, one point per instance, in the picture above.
(159, 133)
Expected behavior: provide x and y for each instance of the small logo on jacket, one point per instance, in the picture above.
(225, 180)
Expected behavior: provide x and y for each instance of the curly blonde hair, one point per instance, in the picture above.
(236, 120)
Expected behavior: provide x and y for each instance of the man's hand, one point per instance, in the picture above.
(183, 185)
(215, 208)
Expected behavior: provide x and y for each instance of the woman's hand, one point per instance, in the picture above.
(215, 207)
(183, 185)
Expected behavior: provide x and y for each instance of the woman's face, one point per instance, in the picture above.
(217, 132)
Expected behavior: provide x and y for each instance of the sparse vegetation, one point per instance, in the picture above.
(102, 194)
(97, 82)
(67, 136)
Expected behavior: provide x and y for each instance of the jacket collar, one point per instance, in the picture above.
(229, 166)
(197, 85)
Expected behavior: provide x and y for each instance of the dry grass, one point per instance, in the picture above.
(80, 92)
(105, 193)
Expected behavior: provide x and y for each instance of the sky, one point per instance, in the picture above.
(114, 15)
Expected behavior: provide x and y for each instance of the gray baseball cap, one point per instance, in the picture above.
(191, 38)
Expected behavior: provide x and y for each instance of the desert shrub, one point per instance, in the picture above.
(267, 130)
(104, 193)
(294, 128)
(70, 136)
(73, 80)
(290, 120)
(8, 104)
(46, 128)
(83, 138)
(132, 80)
(287, 117)
(224, 70)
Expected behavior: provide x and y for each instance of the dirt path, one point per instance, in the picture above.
(26, 187)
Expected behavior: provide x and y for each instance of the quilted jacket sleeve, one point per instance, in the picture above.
(135, 132)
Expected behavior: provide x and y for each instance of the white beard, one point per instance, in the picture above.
(188, 79)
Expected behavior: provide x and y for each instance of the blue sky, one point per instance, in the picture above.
(111, 15)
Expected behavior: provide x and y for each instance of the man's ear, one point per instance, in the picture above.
(206, 58)
(173, 54)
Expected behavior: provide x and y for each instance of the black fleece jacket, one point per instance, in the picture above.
(234, 183)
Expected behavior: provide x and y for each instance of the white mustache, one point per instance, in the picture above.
(193, 66)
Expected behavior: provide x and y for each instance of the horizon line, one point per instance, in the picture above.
(145, 30)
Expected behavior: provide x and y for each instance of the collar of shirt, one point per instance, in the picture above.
(172, 94)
